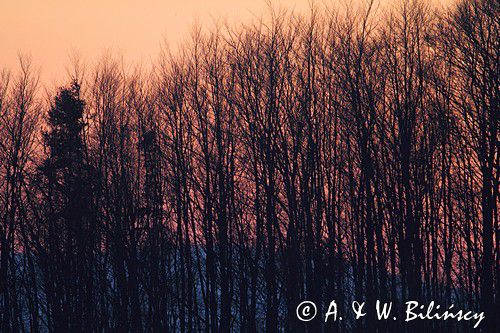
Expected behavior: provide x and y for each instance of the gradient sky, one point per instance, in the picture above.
(50, 30)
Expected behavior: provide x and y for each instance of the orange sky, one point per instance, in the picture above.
(49, 30)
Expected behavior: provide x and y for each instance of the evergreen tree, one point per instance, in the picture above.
(70, 241)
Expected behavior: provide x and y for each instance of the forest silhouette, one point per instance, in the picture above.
(344, 155)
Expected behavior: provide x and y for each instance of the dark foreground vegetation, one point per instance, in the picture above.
(347, 155)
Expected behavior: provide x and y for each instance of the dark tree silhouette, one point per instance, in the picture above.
(342, 155)
(69, 245)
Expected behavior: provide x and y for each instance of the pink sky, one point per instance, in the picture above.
(49, 30)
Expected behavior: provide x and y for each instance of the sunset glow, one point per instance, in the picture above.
(50, 31)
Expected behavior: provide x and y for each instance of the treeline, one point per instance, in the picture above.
(347, 155)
